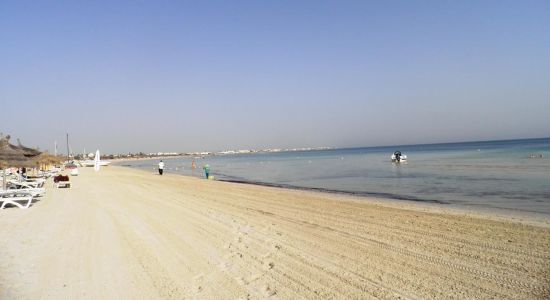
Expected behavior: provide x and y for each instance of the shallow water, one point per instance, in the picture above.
(496, 174)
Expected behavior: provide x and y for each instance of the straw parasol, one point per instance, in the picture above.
(45, 159)
(28, 152)
(15, 156)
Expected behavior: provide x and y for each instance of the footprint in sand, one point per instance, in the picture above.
(270, 291)
(247, 297)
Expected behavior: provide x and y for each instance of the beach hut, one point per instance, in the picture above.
(15, 156)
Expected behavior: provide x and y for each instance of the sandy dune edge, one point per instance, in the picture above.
(129, 234)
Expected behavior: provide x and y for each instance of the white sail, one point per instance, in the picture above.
(96, 161)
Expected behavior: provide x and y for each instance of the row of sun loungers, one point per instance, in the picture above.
(21, 193)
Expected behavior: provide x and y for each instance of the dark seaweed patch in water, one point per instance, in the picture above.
(324, 190)
(510, 195)
(437, 190)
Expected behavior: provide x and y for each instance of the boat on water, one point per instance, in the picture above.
(90, 163)
(397, 157)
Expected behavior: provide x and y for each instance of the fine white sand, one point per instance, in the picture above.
(129, 234)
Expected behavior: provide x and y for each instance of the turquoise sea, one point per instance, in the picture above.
(492, 175)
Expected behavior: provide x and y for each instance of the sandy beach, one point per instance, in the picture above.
(130, 234)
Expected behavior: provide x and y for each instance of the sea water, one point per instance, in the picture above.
(495, 174)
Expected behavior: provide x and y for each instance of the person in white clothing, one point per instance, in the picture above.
(161, 167)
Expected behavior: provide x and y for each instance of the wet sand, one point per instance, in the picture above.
(130, 234)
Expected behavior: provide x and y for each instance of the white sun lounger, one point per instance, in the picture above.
(61, 183)
(39, 182)
(35, 192)
(25, 184)
(25, 200)
(66, 184)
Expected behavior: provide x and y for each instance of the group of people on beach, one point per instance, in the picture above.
(206, 168)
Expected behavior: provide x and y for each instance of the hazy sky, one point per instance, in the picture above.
(212, 75)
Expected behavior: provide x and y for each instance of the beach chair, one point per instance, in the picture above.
(31, 188)
(15, 201)
(45, 174)
(61, 181)
(25, 184)
(39, 182)
(34, 192)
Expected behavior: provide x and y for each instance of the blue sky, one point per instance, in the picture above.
(186, 76)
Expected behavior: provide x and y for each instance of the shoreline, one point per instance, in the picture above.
(123, 233)
(437, 206)
(493, 213)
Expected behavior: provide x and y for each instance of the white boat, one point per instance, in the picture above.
(397, 157)
(90, 163)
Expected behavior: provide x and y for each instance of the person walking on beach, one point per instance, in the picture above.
(161, 167)
(206, 170)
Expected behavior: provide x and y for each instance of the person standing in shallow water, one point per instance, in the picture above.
(206, 170)
(161, 167)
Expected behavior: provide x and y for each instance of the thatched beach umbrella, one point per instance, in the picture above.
(28, 152)
(15, 156)
(45, 159)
